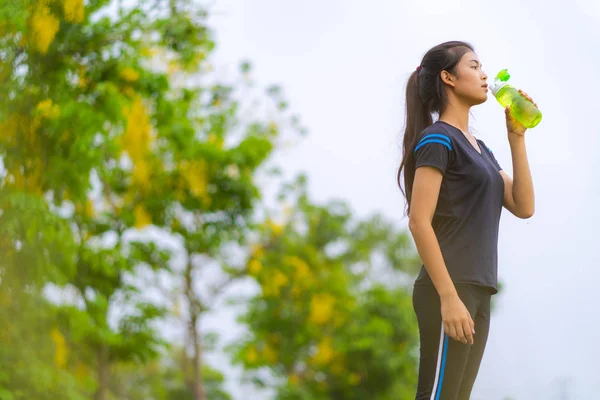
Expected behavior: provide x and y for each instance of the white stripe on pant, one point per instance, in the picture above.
(439, 365)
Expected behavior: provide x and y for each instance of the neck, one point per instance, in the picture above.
(457, 115)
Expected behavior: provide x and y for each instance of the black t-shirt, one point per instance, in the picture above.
(467, 214)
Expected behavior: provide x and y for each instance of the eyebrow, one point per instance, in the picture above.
(480, 64)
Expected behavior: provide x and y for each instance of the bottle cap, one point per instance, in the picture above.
(503, 75)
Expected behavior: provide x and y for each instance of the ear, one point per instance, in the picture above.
(448, 78)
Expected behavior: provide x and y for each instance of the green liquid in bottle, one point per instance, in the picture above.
(520, 108)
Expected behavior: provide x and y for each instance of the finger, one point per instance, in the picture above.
(460, 334)
(528, 97)
(471, 324)
(524, 94)
(451, 331)
(468, 331)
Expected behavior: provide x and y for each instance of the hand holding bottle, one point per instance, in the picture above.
(513, 126)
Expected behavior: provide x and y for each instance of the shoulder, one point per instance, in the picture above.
(436, 133)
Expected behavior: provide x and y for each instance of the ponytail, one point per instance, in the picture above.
(418, 118)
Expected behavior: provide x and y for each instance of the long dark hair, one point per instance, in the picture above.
(426, 95)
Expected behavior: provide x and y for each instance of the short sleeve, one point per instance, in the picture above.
(496, 163)
(433, 150)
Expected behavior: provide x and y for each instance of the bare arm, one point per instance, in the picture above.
(424, 198)
(425, 192)
(519, 196)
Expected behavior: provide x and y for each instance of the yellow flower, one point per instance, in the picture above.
(44, 26)
(27, 179)
(274, 283)
(60, 348)
(74, 10)
(141, 173)
(47, 109)
(142, 218)
(279, 280)
(251, 355)
(269, 355)
(325, 352)
(196, 175)
(302, 270)
(148, 52)
(130, 75)
(321, 308)
(83, 81)
(254, 267)
(277, 229)
(86, 209)
(136, 141)
(137, 136)
(89, 208)
(257, 251)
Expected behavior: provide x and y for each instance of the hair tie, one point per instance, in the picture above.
(419, 68)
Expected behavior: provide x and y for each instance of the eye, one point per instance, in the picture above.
(475, 66)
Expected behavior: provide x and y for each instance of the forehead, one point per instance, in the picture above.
(469, 56)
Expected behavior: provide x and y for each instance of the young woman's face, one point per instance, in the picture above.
(470, 84)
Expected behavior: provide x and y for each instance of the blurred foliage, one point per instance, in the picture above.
(332, 319)
(167, 378)
(115, 134)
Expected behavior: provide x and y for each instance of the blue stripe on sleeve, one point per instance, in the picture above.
(423, 143)
(435, 136)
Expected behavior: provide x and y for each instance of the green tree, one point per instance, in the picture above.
(217, 148)
(333, 317)
(99, 133)
(81, 144)
(113, 126)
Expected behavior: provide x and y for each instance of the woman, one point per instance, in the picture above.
(455, 190)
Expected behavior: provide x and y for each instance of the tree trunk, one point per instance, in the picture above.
(199, 393)
(103, 371)
(198, 390)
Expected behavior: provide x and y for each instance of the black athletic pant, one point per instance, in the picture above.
(447, 368)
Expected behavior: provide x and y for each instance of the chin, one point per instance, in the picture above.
(479, 100)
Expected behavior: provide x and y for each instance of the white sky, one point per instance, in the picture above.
(343, 66)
